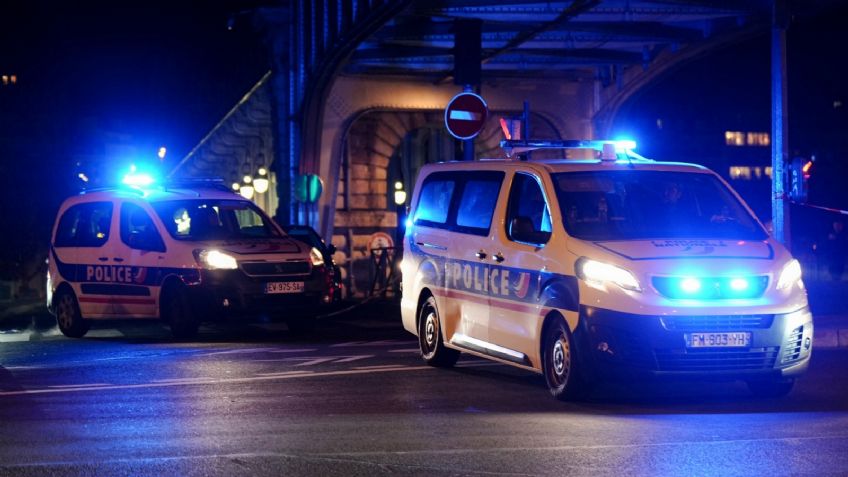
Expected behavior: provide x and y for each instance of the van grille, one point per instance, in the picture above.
(717, 359)
(267, 269)
(792, 348)
(716, 322)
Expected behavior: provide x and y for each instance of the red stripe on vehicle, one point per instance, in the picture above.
(118, 301)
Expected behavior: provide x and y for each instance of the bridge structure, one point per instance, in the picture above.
(357, 91)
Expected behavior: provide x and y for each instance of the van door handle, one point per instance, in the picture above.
(432, 245)
(498, 257)
(103, 259)
(481, 254)
(118, 259)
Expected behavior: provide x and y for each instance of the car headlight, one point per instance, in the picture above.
(316, 257)
(215, 260)
(790, 275)
(599, 272)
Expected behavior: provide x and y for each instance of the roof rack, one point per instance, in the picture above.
(215, 183)
(608, 150)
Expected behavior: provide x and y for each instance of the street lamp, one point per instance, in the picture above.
(400, 194)
(260, 184)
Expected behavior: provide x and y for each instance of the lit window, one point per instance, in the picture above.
(659, 123)
(734, 138)
(757, 139)
(768, 172)
(5, 80)
(742, 173)
(837, 104)
(14, 78)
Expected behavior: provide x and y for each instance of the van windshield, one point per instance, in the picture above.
(637, 204)
(205, 219)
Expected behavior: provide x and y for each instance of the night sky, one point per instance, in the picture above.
(164, 73)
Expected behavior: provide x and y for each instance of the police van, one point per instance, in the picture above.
(612, 266)
(184, 253)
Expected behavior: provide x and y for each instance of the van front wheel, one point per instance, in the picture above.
(433, 349)
(68, 316)
(558, 364)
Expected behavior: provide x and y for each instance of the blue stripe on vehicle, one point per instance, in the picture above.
(510, 283)
(100, 273)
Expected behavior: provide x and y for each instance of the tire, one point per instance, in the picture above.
(773, 388)
(68, 316)
(178, 312)
(430, 342)
(559, 365)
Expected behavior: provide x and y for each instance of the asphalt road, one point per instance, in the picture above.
(354, 398)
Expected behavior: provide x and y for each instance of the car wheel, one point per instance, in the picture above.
(68, 316)
(771, 388)
(558, 361)
(177, 310)
(433, 349)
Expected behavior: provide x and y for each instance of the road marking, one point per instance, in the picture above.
(382, 366)
(104, 333)
(60, 386)
(14, 337)
(405, 350)
(240, 351)
(219, 381)
(355, 358)
(295, 350)
(371, 343)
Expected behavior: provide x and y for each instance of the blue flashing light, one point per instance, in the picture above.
(408, 222)
(690, 285)
(739, 284)
(138, 180)
(625, 144)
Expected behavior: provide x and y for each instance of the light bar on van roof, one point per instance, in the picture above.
(623, 148)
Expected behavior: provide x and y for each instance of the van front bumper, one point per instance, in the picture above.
(624, 346)
(223, 293)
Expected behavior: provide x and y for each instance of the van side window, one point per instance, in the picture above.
(477, 204)
(528, 219)
(138, 230)
(434, 204)
(84, 225)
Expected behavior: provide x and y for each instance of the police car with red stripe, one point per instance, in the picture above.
(609, 266)
(182, 252)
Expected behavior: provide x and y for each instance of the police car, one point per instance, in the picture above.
(183, 253)
(614, 266)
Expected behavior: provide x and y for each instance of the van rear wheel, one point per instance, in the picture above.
(68, 316)
(433, 349)
(558, 363)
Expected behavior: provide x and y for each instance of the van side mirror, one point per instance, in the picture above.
(521, 230)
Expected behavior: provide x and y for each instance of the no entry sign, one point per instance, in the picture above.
(465, 115)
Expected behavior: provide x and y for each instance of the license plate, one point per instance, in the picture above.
(283, 287)
(739, 339)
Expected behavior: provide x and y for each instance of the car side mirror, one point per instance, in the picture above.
(521, 230)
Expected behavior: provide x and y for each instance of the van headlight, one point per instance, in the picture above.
(215, 260)
(600, 272)
(790, 275)
(316, 258)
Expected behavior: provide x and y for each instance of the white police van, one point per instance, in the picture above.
(184, 252)
(610, 267)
